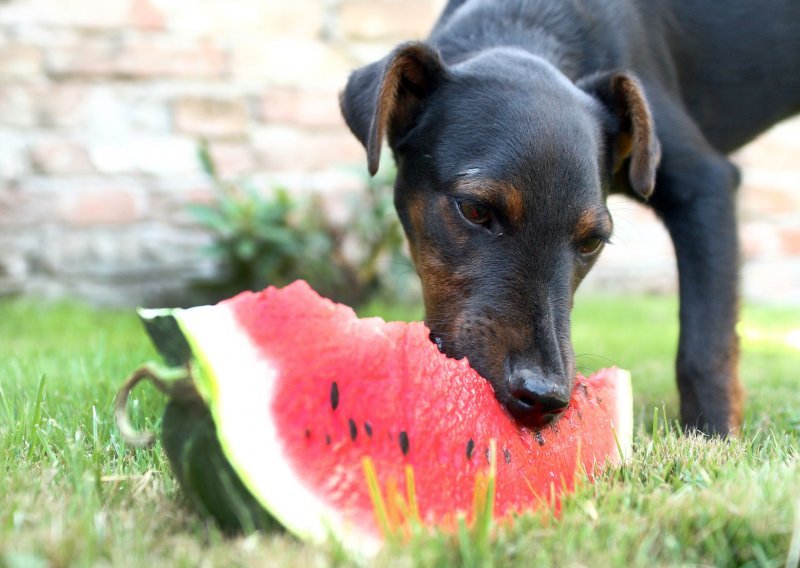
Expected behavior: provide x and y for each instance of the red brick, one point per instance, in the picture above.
(302, 107)
(210, 117)
(14, 158)
(395, 19)
(21, 208)
(282, 149)
(18, 106)
(62, 105)
(110, 206)
(53, 155)
(758, 240)
(200, 60)
(790, 240)
(777, 149)
(298, 18)
(772, 280)
(366, 52)
(146, 16)
(289, 62)
(88, 58)
(257, 18)
(139, 59)
(159, 156)
(20, 61)
(232, 159)
(766, 200)
(168, 202)
(89, 14)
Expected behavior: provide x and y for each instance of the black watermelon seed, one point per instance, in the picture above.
(470, 448)
(353, 429)
(368, 429)
(328, 439)
(540, 438)
(334, 395)
(580, 414)
(507, 455)
(584, 390)
(404, 442)
(308, 433)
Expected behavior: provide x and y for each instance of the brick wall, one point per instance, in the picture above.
(102, 104)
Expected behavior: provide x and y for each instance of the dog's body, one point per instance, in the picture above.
(513, 122)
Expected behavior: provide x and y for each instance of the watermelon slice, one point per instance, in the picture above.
(320, 417)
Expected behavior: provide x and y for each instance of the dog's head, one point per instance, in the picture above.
(503, 168)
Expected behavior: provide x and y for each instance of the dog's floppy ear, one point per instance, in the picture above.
(635, 149)
(386, 97)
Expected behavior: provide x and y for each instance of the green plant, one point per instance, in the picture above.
(380, 265)
(275, 237)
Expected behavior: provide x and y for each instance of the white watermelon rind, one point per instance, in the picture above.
(247, 434)
(623, 411)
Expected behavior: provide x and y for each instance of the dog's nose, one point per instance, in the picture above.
(537, 397)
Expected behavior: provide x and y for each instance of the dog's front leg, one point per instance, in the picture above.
(695, 195)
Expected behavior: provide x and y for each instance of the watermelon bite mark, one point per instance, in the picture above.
(303, 394)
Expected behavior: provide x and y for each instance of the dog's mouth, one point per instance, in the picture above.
(532, 414)
(438, 341)
(455, 347)
(532, 397)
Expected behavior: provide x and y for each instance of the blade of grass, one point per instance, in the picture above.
(38, 404)
(483, 510)
(465, 544)
(376, 496)
(655, 425)
(411, 490)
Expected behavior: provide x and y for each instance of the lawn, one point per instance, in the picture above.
(72, 495)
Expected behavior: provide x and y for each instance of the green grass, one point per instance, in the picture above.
(71, 494)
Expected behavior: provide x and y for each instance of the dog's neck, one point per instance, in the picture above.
(556, 35)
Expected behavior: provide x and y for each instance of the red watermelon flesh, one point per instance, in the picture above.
(302, 392)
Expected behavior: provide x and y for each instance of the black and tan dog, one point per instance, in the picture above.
(512, 123)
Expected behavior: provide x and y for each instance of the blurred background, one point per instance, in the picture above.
(172, 152)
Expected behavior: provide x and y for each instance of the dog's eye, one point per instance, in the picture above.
(475, 213)
(590, 245)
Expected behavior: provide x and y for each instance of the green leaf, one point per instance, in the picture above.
(206, 161)
(209, 217)
(246, 249)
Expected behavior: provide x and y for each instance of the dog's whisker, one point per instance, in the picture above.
(594, 356)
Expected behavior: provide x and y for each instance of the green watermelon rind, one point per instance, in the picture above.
(221, 348)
